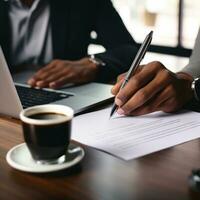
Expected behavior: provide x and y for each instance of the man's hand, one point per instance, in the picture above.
(153, 88)
(60, 72)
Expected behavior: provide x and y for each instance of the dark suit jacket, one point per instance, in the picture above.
(72, 22)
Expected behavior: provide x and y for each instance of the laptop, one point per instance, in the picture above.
(14, 96)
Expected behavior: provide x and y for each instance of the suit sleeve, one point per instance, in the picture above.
(193, 67)
(113, 35)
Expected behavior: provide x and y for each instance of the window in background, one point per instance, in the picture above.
(191, 22)
(175, 23)
(141, 16)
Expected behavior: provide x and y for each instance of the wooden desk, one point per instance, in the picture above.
(162, 175)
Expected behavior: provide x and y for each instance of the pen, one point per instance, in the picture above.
(139, 56)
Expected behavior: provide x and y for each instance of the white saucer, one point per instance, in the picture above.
(20, 158)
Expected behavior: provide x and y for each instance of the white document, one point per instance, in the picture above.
(132, 137)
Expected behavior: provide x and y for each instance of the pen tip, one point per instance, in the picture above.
(151, 33)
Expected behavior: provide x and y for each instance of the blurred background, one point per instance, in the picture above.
(175, 24)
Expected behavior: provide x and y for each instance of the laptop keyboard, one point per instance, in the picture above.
(32, 96)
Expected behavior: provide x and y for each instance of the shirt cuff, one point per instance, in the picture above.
(193, 69)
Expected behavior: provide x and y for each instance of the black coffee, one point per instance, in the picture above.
(47, 142)
(47, 116)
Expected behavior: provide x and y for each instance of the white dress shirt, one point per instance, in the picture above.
(193, 67)
(31, 39)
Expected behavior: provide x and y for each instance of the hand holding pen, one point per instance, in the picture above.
(135, 65)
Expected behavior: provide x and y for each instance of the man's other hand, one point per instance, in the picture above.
(60, 72)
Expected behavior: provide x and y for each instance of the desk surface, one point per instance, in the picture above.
(162, 175)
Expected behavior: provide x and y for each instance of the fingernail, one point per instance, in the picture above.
(118, 102)
(31, 81)
(120, 111)
(52, 85)
(39, 83)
